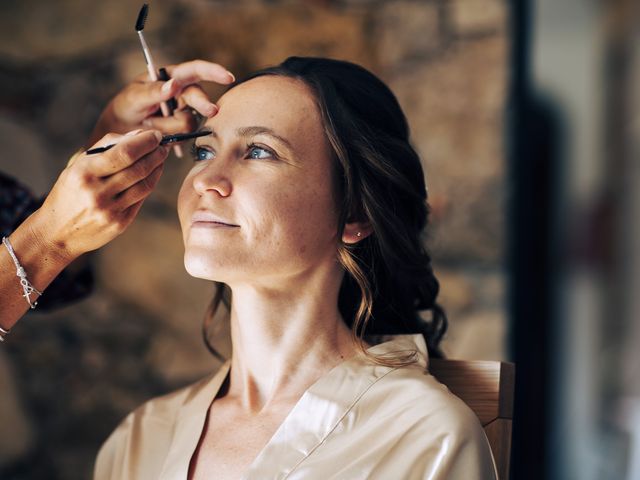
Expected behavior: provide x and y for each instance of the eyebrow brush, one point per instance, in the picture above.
(167, 139)
(151, 68)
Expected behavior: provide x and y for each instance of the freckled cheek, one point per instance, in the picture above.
(302, 218)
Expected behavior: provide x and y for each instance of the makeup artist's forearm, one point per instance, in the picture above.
(41, 262)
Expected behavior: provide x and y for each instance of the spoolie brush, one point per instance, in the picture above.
(142, 18)
(151, 68)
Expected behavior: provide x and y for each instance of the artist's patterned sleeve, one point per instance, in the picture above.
(16, 204)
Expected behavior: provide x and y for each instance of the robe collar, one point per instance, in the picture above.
(318, 412)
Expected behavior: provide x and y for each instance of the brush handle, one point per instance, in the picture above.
(175, 137)
(153, 76)
(164, 76)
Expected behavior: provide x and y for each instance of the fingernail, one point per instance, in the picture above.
(158, 135)
(133, 132)
(213, 109)
(231, 76)
(166, 87)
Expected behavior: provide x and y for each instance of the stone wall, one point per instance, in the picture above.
(68, 377)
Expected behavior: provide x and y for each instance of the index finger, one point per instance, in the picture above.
(125, 153)
(195, 71)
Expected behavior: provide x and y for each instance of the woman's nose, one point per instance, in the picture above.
(212, 179)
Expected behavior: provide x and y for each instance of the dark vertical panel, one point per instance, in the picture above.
(533, 160)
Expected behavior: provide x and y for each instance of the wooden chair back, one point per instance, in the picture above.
(487, 387)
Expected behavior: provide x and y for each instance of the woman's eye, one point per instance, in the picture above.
(200, 153)
(258, 153)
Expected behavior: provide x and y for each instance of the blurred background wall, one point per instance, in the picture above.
(525, 114)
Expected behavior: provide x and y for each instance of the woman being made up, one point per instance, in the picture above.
(307, 204)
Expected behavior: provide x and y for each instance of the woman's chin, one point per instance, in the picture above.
(199, 268)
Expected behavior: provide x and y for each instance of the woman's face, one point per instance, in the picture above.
(258, 204)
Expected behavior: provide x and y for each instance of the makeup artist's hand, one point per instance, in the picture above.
(94, 200)
(97, 197)
(135, 105)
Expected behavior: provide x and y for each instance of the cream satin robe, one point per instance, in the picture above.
(359, 421)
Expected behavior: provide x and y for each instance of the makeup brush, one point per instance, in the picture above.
(173, 138)
(151, 68)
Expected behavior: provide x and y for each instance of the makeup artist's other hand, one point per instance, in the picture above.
(97, 196)
(135, 105)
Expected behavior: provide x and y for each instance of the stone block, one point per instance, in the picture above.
(144, 266)
(244, 39)
(405, 30)
(67, 28)
(71, 110)
(456, 291)
(473, 228)
(455, 107)
(24, 155)
(478, 16)
(474, 299)
(480, 335)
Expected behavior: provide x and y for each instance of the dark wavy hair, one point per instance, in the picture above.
(389, 281)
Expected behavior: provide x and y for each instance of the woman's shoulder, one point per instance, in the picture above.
(442, 425)
(416, 394)
(414, 404)
(402, 409)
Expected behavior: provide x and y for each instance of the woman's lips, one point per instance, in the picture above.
(212, 225)
(209, 220)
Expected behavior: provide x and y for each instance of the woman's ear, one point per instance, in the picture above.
(355, 231)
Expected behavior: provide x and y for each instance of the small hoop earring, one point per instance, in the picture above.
(358, 234)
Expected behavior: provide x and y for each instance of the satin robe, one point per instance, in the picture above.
(358, 421)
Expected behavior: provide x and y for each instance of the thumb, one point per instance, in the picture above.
(75, 157)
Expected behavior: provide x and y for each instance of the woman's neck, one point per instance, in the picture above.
(284, 340)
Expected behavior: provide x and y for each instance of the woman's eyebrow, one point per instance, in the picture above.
(209, 129)
(251, 131)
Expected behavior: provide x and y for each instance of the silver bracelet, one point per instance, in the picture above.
(27, 288)
(3, 333)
